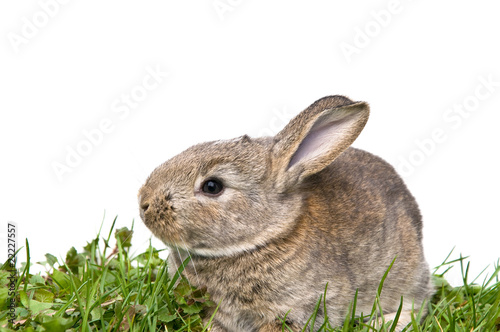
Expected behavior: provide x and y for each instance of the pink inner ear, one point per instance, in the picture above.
(322, 139)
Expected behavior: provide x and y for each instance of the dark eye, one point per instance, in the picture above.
(212, 187)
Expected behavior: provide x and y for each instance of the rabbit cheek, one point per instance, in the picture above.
(202, 225)
(216, 226)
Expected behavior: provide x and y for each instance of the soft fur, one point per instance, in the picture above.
(298, 211)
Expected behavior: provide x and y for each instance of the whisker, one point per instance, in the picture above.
(172, 260)
(180, 257)
(192, 261)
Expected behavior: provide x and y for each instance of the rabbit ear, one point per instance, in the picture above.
(318, 135)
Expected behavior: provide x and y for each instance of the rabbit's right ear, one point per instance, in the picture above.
(315, 137)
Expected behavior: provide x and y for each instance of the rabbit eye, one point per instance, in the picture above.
(212, 187)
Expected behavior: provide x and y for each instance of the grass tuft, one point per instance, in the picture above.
(103, 288)
(98, 290)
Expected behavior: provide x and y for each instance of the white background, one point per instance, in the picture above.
(237, 67)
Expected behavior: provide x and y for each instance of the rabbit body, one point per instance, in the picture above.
(297, 211)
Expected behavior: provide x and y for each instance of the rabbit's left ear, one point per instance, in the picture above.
(315, 137)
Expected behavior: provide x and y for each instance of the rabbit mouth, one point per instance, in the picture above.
(158, 211)
(161, 220)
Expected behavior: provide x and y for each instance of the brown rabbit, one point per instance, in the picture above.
(270, 221)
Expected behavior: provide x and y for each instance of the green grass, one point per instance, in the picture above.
(103, 288)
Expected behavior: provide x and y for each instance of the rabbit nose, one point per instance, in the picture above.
(144, 207)
(143, 204)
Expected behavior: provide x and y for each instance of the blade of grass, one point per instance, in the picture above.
(178, 273)
(396, 318)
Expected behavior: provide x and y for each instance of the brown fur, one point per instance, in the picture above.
(298, 211)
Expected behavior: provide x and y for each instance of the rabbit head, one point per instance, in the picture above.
(222, 198)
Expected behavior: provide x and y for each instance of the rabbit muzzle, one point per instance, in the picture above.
(158, 214)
